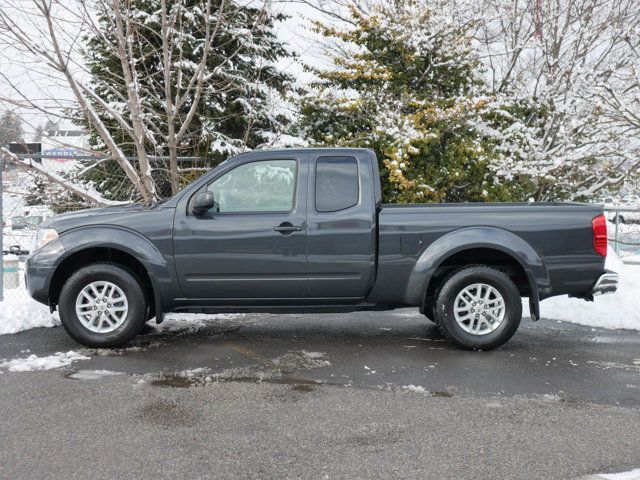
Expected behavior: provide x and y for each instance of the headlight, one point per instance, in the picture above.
(44, 236)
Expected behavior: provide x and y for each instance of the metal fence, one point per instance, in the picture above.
(624, 232)
(31, 193)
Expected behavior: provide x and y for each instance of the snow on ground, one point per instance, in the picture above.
(415, 389)
(18, 311)
(17, 315)
(93, 374)
(618, 310)
(630, 475)
(33, 362)
(192, 322)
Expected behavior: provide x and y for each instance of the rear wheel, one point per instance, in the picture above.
(102, 305)
(478, 308)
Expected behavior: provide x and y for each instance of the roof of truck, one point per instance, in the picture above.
(309, 149)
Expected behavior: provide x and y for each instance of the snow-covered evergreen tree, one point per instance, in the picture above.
(406, 82)
(209, 109)
(10, 128)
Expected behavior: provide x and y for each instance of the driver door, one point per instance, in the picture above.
(252, 245)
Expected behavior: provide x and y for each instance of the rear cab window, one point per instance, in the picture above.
(337, 185)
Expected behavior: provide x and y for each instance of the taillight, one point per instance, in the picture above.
(599, 227)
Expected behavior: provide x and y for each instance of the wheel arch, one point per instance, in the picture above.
(478, 245)
(115, 245)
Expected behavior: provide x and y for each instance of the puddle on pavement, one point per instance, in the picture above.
(279, 371)
(175, 381)
(182, 381)
(303, 388)
(441, 393)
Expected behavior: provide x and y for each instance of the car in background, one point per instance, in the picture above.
(34, 221)
(18, 223)
(632, 200)
(22, 222)
(622, 209)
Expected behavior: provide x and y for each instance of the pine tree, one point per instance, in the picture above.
(37, 135)
(236, 109)
(406, 83)
(49, 129)
(10, 128)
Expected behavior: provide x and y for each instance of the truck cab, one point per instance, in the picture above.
(285, 228)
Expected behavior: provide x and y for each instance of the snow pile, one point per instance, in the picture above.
(192, 372)
(618, 310)
(93, 374)
(630, 475)
(415, 389)
(33, 362)
(18, 312)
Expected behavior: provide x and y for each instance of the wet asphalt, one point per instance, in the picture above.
(364, 395)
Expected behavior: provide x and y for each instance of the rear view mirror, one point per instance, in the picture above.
(203, 202)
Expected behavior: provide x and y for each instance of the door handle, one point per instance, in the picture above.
(287, 227)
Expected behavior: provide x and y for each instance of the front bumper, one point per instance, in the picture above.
(37, 281)
(607, 283)
(39, 269)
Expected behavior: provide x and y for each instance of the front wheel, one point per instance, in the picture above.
(478, 308)
(102, 305)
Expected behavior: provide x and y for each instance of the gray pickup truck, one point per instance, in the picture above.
(306, 231)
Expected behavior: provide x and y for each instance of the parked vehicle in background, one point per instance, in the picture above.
(623, 215)
(622, 210)
(631, 200)
(306, 231)
(33, 221)
(18, 223)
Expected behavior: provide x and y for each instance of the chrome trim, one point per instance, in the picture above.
(607, 283)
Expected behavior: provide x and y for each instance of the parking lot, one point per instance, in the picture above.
(377, 395)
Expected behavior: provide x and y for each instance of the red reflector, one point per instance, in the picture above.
(599, 227)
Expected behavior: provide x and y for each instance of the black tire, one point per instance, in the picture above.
(445, 302)
(135, 317)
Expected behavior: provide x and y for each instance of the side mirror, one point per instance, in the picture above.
(203, 202)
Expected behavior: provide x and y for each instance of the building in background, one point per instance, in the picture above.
(65, 145)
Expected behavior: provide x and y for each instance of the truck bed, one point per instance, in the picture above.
(555, 238)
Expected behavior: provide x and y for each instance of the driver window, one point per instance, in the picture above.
(264, 186)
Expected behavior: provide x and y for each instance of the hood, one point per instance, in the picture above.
(93, 215)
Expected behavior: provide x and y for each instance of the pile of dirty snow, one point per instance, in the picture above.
(618, 310)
